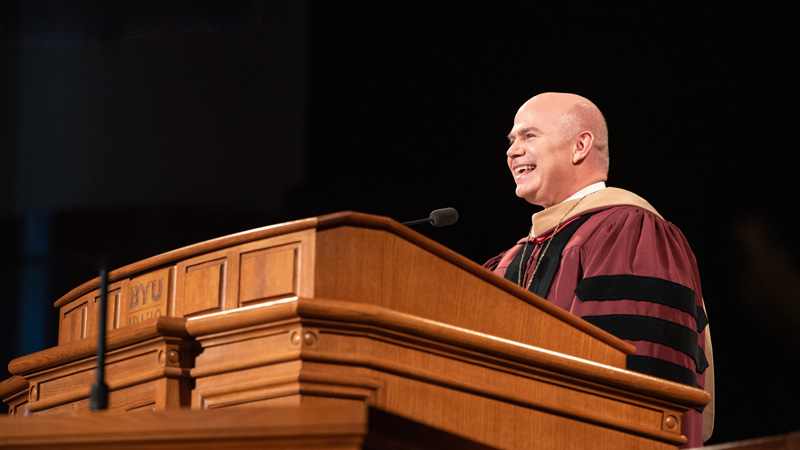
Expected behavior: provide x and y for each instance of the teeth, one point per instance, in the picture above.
(521, 169)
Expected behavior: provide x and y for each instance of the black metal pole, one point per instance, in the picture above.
(98, 399)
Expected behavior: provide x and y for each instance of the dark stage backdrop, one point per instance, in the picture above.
(132, 128)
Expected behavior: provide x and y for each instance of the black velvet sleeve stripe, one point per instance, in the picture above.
(663, 369)
(701, 318)
(647, 289)
(652, 329)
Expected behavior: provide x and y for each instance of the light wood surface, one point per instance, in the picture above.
(342, 428)
(350, 311)
(356, 257)
(305, 427)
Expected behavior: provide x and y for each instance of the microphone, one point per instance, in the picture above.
(438, 218)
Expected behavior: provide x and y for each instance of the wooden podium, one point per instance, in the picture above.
(276, 336)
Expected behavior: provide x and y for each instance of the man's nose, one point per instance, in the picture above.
(514, 150)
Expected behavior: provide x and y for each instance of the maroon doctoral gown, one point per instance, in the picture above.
(625, 269)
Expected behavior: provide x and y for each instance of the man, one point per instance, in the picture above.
(603, 253)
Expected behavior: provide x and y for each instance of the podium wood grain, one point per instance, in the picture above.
(349, 311)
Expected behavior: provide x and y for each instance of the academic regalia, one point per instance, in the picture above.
(616, 263)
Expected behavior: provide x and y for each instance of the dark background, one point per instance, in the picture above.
(132, 128)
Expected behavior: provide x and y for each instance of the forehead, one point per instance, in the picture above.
(531, 116)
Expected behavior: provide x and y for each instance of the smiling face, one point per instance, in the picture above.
(549, 149)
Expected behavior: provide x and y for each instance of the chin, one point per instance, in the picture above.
(525, 193)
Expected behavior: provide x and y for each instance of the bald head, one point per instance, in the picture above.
(574, 114)
(559, 145)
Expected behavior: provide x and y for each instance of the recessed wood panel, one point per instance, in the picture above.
(79, 318)
(268, 273)
(73, 321)
(113, 300)
(204, 287)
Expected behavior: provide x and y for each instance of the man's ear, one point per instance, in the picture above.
(583, 144)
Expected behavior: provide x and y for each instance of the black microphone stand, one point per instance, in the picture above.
(98, 398)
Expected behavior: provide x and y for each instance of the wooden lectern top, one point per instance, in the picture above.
(344, 256)
(344, 310)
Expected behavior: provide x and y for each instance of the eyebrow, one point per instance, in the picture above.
(522, 131)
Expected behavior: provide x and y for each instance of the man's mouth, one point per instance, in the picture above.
(522, 169)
